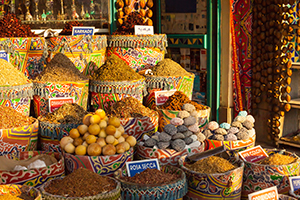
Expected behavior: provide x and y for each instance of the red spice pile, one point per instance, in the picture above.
(152, 176)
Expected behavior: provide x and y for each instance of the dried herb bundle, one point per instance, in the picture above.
(81, 183)
(60, 68)
(168, 67)
(69, 113)
(211, 165)
(130, 107)
(115, 69)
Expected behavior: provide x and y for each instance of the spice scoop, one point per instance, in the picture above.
(198, 156)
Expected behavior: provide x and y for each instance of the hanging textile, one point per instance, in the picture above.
(241, 30)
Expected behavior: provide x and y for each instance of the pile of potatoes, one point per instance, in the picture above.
(98, 135)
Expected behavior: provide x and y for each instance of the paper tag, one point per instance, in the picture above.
(143, 30)
(266, 194)
(162, 96)
(55, 103)
(253, 154)
(4, 56)
(83, 30)
(294, 182)
(135, 167)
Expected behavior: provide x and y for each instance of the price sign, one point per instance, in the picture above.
(143, 30)
(266, 194)
(294, 182)
(4, 56)
(83, 30)
(162, 96)
(253, 154)
(135, 167)
(55, 103)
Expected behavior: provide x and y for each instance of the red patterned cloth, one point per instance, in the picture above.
(241, 29)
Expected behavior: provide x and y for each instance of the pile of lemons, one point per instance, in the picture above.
(98, 135)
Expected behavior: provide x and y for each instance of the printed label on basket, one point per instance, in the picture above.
(143, 30)
(136, 167)
(4, 56)
(83, 30)
(162, 96)
(294, 182)
(253, 154)
(266, 194)
(55, 103)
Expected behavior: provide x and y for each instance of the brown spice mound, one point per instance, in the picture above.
(115, 69)
(277, 159)
(69, 26)
(211, 165)
(130, 107)
(10, 118)
(152, 176)
(81, 183)
(168, 67)
(177, 100)
(60, 68)
(69, 113)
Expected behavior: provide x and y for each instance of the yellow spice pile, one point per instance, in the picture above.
(211, 165)
(278, 159)
(11, 76)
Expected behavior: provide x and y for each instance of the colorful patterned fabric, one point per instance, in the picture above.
(258, 177)
(166, 156)
(241, 29)
(18, 189)
(226, 185)
(34, 177)
(16, 140)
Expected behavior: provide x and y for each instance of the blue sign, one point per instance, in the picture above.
(4, 55)
(82, 30)
(136, 167)
(295, 183)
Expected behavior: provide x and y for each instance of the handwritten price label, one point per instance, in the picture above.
(143, 30)
(266, 194)
(55, 103)
(294, 182)
(4, 56)
(136, 167)
(253, 154)
(162, 96)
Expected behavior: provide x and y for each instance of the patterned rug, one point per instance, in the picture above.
(241, 29)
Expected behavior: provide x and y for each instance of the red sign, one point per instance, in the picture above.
(253, 154)
(266, 194)
(162, 96)
(55, 103)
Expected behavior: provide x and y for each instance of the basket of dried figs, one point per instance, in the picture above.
(82, 184)
(168, 183)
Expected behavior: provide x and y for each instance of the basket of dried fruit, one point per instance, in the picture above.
(214, 177)
(164, 79)
(54, 126)
(54, 87)
(168, 183)
(274, 170)
(82, 184)
(180, 106)
(32, 168)
(100, 145)
(177, 139)
(14, 191)
(140, 52)
(15, 89)
(18, 132)
(136, 119)
(236, 137)
(114, 81)
(86, 52)
(26, 51)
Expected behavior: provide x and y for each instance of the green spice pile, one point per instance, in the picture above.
(10, 118)
(69, 113)
(277, 159)
(130, 107)
(11, 76)
(211, 165)
(81, 183)
(115, 69)
(152, 176)
(60, 68)
(168, 67)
